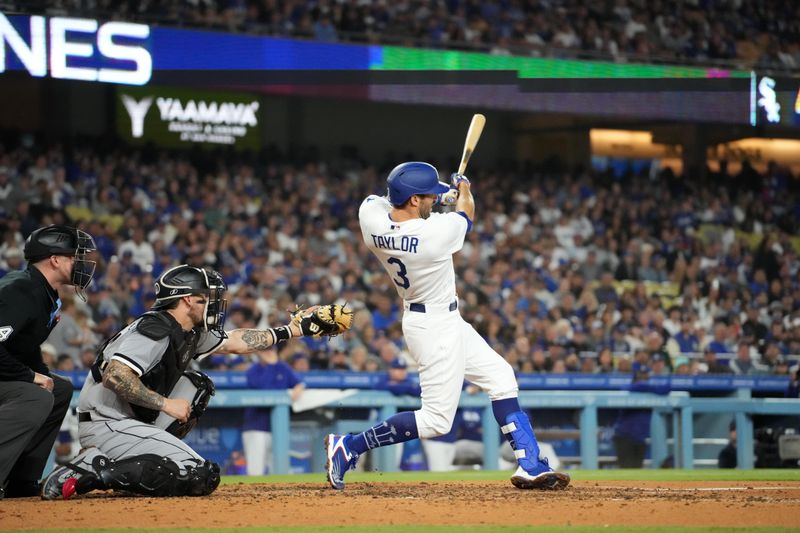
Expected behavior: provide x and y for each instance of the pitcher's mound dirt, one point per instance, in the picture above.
(723, 503)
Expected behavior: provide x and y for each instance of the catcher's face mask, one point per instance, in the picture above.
(216, 305)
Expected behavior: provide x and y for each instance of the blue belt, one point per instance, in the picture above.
(420, 308)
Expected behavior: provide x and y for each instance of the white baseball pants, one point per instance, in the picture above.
(447, 350)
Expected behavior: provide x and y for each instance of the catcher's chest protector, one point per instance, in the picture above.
(166, 373)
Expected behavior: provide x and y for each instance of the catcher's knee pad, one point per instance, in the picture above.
(146, 474)
(519, 432)
(203, 479)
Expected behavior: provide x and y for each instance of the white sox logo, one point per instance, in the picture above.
(5, 333)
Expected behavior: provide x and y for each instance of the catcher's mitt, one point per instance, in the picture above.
(324, 320)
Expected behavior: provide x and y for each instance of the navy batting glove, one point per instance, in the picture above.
(457, 178)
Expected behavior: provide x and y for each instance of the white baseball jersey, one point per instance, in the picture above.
(417, 254)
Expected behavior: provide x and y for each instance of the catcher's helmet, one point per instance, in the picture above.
(58, 239)
(185, 280)
(414, 177)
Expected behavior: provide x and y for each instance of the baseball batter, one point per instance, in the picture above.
(416, 246)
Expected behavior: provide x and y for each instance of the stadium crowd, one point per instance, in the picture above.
(579, 271)
(763, 33)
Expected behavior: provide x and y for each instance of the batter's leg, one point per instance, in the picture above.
(489, 371)
(436, 344)
(343, 450)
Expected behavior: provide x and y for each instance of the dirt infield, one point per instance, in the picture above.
(723, 503)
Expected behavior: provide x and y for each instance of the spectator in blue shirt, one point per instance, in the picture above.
(618, 344)
(686, 339)
(793, 391)
(269, 373)
(605, 292)
(632, 427)
(759, 284)
(385, 313)
(718, 344)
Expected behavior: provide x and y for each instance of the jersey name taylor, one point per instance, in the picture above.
(403, 243)
(417, 254)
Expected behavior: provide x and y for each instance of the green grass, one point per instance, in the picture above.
(481, 475)
(435, 529)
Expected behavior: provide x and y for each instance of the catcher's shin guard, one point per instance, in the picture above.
(152, 475)
(519, 432)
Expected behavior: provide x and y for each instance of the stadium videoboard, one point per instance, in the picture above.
(138, 54)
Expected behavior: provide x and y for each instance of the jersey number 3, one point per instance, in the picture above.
(401, 273)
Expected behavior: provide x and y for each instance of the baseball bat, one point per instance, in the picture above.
(473, 135)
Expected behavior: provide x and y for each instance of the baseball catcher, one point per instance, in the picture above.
(139, 399)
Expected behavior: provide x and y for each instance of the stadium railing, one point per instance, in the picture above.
(678, 407)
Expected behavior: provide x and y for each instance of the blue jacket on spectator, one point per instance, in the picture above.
(688, 343)
(277, 376)
(635, 423)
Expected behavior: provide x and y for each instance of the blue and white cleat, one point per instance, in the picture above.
(340, 460)
(543, 478)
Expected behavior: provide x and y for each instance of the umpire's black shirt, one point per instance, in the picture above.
(28, 313)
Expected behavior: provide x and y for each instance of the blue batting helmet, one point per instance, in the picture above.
(414, 177)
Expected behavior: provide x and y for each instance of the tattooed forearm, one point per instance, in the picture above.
(256, 339)
(127, 385)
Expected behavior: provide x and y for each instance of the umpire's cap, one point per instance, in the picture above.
(414, 177)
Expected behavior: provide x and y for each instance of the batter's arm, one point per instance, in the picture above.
(465, 202)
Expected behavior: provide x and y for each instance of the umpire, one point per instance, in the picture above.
(32, 402)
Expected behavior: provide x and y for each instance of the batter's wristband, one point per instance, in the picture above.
(283, 333)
